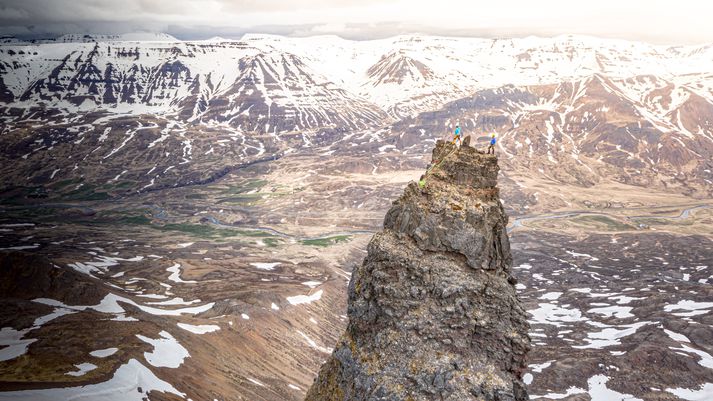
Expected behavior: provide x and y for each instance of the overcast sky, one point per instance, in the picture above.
(656, 21)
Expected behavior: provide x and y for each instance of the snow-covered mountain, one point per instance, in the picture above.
(583, 107)
(401, 76)
(585, 131)
(91, 38)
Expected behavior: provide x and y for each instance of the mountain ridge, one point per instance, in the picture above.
(536, 61)
(569, 109)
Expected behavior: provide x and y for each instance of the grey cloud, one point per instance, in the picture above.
(291, 5)
(95, 10)
(188, 19)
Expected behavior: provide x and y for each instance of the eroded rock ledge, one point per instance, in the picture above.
(433, 312)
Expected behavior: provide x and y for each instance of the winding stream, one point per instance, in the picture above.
(212, 220)
(685, 213)
(518, 222)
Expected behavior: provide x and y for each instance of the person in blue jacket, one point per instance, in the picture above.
(491, 146)
(457, 135)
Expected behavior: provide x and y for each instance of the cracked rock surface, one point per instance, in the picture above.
(433, 312)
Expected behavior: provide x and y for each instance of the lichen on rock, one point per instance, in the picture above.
(433, 312)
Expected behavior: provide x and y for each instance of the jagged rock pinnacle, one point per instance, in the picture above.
(433, 313)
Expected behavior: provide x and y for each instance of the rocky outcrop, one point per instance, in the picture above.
(433, 312)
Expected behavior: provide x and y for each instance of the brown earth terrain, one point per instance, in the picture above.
(265, 254)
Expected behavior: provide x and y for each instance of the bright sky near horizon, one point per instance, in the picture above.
(656, 21)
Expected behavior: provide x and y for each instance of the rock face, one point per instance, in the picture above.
(433, 312)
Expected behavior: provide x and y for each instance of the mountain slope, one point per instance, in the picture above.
(278, 92)
(402, 75)
(572, 109)
(587, 131)
(245, 89)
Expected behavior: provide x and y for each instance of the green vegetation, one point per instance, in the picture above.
(250, 193)
(61, 184)
(134, 220)
(121, 185)
(272, 242)
(241, 193)
(95, 196)
(134, 217)
(654, 221)
(20, 195)
(245, 198)
(124, 185)
(34, 213)
(244, 187)
(210, 232)
(326, 241)
(86, 193)
(603, 222)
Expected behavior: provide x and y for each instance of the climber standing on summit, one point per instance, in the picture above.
(491, 146)
(457, 135)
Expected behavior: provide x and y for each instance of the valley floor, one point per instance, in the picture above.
(236, 289)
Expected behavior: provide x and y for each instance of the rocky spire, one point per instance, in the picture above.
(433, 313)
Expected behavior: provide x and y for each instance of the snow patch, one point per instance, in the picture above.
(199, 329)
(610, 336)
(175, 276)
(13, 343)
(555, 315)
(167, 352)
(103, 353)
(121, 387)
(704, 393)
(305, 299)
(619, 312)
(265, 266)
(82, 369)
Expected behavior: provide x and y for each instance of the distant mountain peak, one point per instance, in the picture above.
(251, 37)
(125, 37)
(398, 67)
